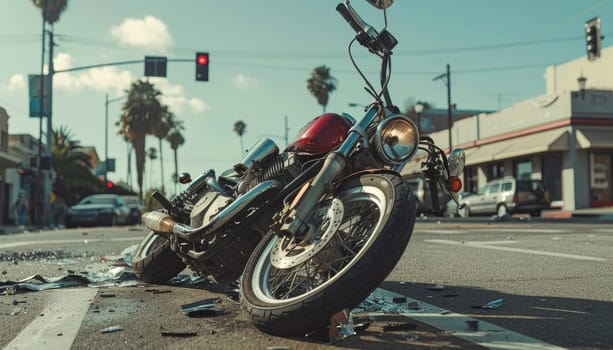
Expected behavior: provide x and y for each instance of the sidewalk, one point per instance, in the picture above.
(605, 213)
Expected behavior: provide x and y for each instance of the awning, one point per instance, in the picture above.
(8, 161)
(550, 140)
(595, 138)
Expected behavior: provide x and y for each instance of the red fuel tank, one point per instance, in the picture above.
(321, 135)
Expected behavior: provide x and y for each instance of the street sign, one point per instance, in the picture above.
(155, 66)
(34, 89)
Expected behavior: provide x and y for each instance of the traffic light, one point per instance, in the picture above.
(202, 66)
(109, 185)
(592, 38)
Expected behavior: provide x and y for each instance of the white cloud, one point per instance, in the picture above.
(16, 82)
(245, 82)
(148, 33)
(173, 95)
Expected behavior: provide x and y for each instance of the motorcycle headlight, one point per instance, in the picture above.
(396, 139)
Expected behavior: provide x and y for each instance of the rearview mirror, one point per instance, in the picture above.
(381, 4)
(456, 161)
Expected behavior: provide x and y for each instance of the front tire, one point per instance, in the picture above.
(154, 261)
(365, 245)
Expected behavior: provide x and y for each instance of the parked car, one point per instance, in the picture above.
(507, 196)
(98, 210)
(136, 209)
(421, 190)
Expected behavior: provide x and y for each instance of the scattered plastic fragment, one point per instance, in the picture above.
(445, 312)
(494, 304)
(205, 307)
(403, 326)
(111, 329)
(178, 334)
(16, 311)
(341, 326)
(436, 287)
(473, 325)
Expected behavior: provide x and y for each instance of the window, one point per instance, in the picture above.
(600, 176)
(523, 169)
(495, 171)
(494, 188)
(482, 190)
(470, 179)
(507, 186)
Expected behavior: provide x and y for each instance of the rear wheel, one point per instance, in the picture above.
(502, 210)
(291, 287)
(154, 261)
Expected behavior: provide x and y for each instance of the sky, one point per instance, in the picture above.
(262, 53)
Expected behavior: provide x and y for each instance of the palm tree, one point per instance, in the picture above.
(152, 155)
(51, 9)
(239, 128)
(176, 139)
(140, 116)
(321, 84)
(74, 177)
(166, 123)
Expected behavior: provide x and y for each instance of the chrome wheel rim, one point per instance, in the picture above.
(363, 217)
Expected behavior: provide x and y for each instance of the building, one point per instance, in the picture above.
(564, 137)
(6, 161)
(21, 175)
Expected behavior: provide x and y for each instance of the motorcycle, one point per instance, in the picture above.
(311, 230)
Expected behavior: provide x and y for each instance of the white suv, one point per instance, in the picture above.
(507, 196)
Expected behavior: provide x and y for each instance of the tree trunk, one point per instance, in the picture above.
(139, 151)
(161, 165)
(176, 179)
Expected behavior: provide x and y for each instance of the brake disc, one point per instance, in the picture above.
(287, 252)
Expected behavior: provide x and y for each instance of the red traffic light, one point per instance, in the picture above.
(202, 66)
(202, 59)
(109, 185)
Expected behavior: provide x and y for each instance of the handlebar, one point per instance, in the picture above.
(349, 17)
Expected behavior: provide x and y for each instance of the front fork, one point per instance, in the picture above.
(293, 217)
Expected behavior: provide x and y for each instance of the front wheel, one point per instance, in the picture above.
(290, 287)
(154, 261)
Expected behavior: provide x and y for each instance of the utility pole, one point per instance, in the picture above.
(106, 131)
(446, 78)
(47, 183)
(286, 131)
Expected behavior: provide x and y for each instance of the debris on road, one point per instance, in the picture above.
(178, 334)
(473, 325)
(341, 326)
(436, 287)
(404, 326)
(111, 329)
(202, 308)
(494, 304)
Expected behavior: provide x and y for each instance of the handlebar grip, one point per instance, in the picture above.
(342, 9)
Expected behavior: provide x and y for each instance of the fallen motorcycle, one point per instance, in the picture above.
(313, 229)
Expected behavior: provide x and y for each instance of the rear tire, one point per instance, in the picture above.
(365, 245)
(502, 210)
(154, 261)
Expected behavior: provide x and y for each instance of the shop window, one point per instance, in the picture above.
(495, 171)
(523, 169)
(600, 179)
(471, 179)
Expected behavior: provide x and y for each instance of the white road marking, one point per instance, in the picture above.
(489, 335)
(64, 313)
(522, 230)
(69, 241)
(485, 245)
(444, 232)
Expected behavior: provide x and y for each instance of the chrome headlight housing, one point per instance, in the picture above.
(396, 139)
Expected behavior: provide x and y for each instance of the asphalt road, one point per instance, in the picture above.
(554, 280)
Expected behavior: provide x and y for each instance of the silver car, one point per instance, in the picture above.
(507, 196)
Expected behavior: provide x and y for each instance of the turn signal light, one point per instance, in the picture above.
(455, 184)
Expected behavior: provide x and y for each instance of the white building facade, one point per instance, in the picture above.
(564, 138)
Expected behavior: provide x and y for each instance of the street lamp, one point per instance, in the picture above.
(446, 78)
(106, 131)
(418, 109)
